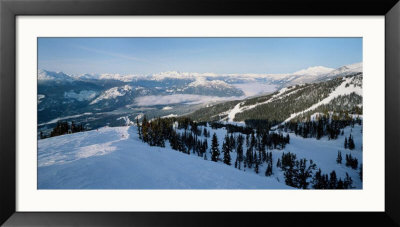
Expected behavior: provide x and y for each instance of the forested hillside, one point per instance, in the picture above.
(340, 95)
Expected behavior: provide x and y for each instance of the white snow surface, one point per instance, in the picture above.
(347, 69)
(167, 108)
(115, 158)
(340, 90)
(314, 71)
(239, 108)
(112, 93)
(169, 115)
(40, 97)
(44, 75)
(127, 120)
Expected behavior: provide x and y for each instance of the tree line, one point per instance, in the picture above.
(156, 132)
(323, 126)
(252, 151)
(63, 127)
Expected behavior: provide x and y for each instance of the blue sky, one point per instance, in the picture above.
(218, 55)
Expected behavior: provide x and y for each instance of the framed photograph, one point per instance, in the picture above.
(121, 112)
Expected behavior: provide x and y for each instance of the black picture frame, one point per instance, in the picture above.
(9, 9)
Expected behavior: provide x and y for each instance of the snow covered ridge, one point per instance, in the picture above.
(203, 82)
(348, 86)
(240, 107)
(314, 71)
(113, 93)
(44, 75)
(347, 70)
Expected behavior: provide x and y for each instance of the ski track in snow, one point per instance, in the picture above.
(238, 109)
(340, 90)
(115, 158)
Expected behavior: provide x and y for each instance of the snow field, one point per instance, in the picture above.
(115, 158)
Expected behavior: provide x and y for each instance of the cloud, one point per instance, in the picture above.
(153, 100)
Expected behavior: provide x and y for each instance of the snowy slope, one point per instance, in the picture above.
(112, 93)
(239, 108)
(114, 158)
(314, 71)
(343, 89)
(347, 70)
(44, 75)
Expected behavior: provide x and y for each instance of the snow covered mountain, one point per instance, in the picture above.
(61, 95)
(341, 94)
(347, 70)
(310, 72)
(319, 110)
(314, 71)
(48, 76)
(212, 87)
(112, 93)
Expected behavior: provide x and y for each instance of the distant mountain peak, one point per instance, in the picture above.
(347, 70)
(44, 75)
(314, 71)
(201, 81)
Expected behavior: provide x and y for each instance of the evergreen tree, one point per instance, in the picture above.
(139, 129)
(303, 173)
(339, 158)
(268, 171)
(351, 144)
(256, 168)
(226, 151)
(348, 182)
(289, 177)
(278, 163)
(352, 162)
(332, 180)
(214, 148)
(205, 134)
(145, 129)
(249, 156)
(239, 150)
(340, 184)
(232, 143)
(318, 180)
